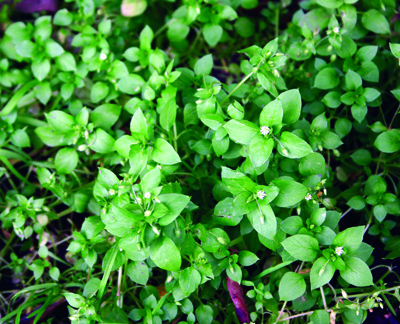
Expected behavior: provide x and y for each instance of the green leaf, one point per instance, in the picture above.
(168, 114)
(20, 138)
(138, 126)
(327, 79)
(212, 34)
(353, 80)
(66, 62)
(347, 48)
(204, 65)
(54, 273)
(318, 216)
(271, 116)
(53, 49)
(291, 105)
(133, 8)
(260, 150)
(241, 131)
(292, 225)
(312, 164)
(66, 160)
(62, 18)
(330, 140)
(131, 84)
(332, 99)
(322, 272)
(350, 239)
(263, 220)
(291, 286)
(371, 94)
(74, 300)
(388, 142)
(99, 91)
(40, 68)
(43, 92)
(293, 146)
(330, 3)
(267, 84)
(164, 153)
(150, 180)
(356, 202)
(138, 272)
(175, 203)
(236, 181)
(189, 280)
(362, 157)
(320, 317)
(101, 142)
(204, 314)
(247, 258)
(290, 192)
(25, 48)
(367, 53)
(118, 221)
(395, 48)
(302, 247)
(60, 121)
(177, 30)
(91, 287)
(105, 115)
(374, 21)
(343, 127)
(356, 272)
(165, 254)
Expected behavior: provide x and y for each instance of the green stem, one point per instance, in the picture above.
(13, 102)
(9, 241)
(394, 116)
(237, 87)
(175, 138)
(13, 170)
(65, 212)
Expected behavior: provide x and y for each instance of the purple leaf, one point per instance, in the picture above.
(30, 6)
(237, 296)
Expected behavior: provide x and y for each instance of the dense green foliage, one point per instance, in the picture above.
(149, 151)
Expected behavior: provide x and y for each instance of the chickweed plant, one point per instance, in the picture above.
(190, 161)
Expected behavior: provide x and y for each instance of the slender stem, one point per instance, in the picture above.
(323, 298)
(379, 162)
(394, 116)
(346, 212)
(65, 212)
(237, 87)
(298, 315)
(119, 296)
(175, 138)
(281, 312)
(373, 292)
(13, 170)
(9, 241)
(380, 109)
(13, 102)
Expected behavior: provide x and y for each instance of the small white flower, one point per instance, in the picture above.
(138, 200)
(264, 130)
(147, 213)
(111, 192)
(261, 194)
(308, 197)
(336, 30)
(103, 56)
(339, 250)
(158, 166)
(147, 195)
